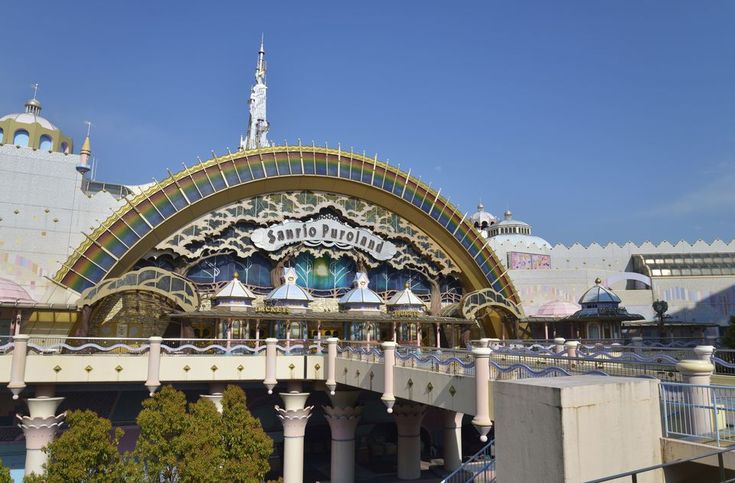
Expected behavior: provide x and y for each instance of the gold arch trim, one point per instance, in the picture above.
(169, 285)
(164, 207)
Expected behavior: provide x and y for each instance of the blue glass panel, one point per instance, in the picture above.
(219, 268)
(256, 271)
(325, 275)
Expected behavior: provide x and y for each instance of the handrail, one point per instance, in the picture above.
(634, 473)
(479, 456)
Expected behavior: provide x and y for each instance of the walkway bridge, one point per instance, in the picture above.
(440, 377)
(408, 378)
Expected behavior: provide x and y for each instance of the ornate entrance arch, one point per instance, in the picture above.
(127, 235)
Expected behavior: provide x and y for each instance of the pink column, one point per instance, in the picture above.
(482, 421)
(408, 423)
(154, 364)
(294, 418)
(343, 417)
(18, 365)
(438, 336)
(270, 364)
(389, 360)
(452, 440)
(332, 364)
(39, 429)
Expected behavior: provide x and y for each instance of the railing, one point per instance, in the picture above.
(6, 344)
(48, 345)
(634, 473)
(190, 347)
(360, 350)
(701, 413)
(546, 365)
(480, 467)
(448, 361)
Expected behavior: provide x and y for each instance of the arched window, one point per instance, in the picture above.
(64, 148)
(45, 143)
(21, 138)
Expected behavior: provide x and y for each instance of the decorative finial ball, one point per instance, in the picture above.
(236, 275)
(483, 438)
(15, 396)
(331, 392)
(270, 391)
(598, 281)
(480, 207)
(390, 410)
(407, 285)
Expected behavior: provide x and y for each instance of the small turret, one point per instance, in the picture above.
(83, 167)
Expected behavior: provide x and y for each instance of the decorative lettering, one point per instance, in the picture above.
(328, 232)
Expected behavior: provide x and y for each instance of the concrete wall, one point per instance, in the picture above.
(577, 428)
(43, 213)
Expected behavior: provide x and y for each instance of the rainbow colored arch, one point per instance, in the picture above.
(115, 246)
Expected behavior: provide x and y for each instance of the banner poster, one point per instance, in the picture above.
(528, 261)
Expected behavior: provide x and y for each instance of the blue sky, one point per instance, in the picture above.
(593, 121)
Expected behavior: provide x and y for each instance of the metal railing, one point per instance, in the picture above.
(360, 350)
(48, 345)
(634, 473)
(535, 364)
(480, 467)
(447, 361)
(699, 413)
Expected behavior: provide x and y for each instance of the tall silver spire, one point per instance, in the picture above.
(256, 137)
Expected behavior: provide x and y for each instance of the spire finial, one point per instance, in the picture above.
(35, 90)
(89, 127)
(256, 136)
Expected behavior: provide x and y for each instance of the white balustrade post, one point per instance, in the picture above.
(216, 393)
(154, 364)
(485, 342)
(39, 429)
(408, 423)
(571, 348)
(482, 421)
(294, 418)
(342, 418)
(452, 440)
(559, 345)
(270, 364)
(332, 364)
(18, 364)
(637, 343)
(704, 352)
(389, 360)
(698, 400)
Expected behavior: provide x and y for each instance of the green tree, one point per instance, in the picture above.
(162, 422)
(5, 474)
(728, 338)
(246, 447)
(84, 453)
(201, 444)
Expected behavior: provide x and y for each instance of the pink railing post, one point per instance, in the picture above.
(389, 360)
(270, 364)
(332, 364)
(18, 364)
(154, 364)
(482, 420)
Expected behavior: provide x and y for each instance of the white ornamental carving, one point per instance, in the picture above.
(322, 231)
